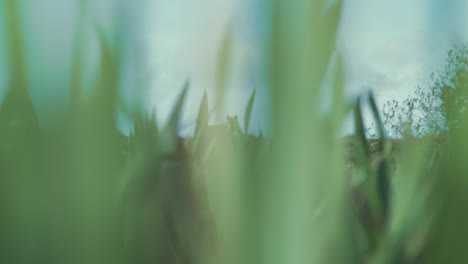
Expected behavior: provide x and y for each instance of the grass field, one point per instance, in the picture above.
(75, 190)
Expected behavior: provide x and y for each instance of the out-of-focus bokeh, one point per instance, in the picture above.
(233, 131)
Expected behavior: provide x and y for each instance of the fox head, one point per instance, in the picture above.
(231, 121)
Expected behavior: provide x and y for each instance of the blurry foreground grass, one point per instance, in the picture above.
(78, 191)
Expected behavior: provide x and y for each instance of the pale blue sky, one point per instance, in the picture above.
(389, 46)
(393, 46)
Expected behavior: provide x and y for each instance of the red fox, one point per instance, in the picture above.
(230, 128)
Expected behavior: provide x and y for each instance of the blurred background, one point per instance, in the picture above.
(390, 48)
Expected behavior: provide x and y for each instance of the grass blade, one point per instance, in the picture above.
(360, 134)
(223, 68)
(202, 119)
(378, 121)
(248, 112)
(175, 116)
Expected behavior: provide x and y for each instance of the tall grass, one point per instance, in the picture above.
(79, 191)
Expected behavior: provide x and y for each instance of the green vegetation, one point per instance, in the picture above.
(75, 190)
(427, 112)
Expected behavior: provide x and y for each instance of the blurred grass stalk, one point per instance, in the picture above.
(19, 189)
(58, 181)
(304, 194)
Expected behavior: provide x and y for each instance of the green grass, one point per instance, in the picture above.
(75, 190)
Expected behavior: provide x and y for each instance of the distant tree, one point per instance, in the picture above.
(437, 108)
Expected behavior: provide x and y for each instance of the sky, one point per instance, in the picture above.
(390, 47)
(188, 48)
(397, 43)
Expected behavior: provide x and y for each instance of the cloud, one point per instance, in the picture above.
(189, 48)
(392, 47)
(389, 46)
(393, 56)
